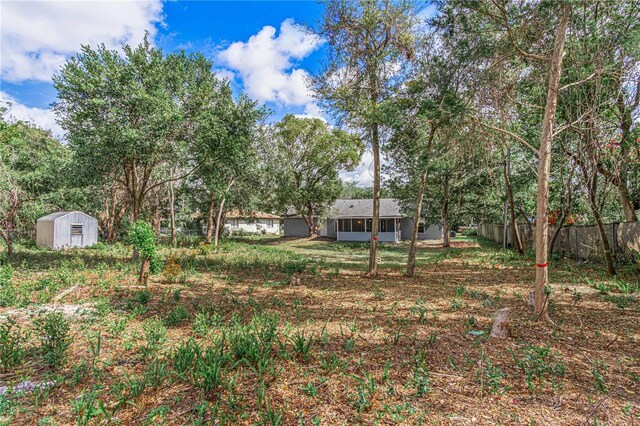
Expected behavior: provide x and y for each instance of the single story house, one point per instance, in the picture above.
(66, 229)
(254, 223)
(351, 220)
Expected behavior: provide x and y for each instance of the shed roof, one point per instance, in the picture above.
(237, 214)
(53, 216)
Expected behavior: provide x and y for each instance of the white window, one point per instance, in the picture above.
(76, 229)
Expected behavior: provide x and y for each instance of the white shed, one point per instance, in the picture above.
(66, 229)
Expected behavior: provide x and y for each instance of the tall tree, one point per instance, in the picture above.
(307, 156)
(32, 166)
(126, 116)
(369, 42)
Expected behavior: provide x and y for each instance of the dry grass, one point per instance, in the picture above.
(390, 350)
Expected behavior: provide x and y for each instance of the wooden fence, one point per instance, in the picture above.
(578, 242)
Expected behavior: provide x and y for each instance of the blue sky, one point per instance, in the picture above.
(261, 46)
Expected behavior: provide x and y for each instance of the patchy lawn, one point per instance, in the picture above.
(222, 338)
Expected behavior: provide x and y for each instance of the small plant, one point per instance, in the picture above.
(490, 377)
(142, 238)
(172, 270)
(421, 379)
(176, 316)
(366, 387)
(11, 340)
(460, 290)
(310, 389)
(349, 344)
(302, 344)
(155, 334)
(456, 304)
(598, 370)
(87, 407)
(53, 332)
(538, 363)
(205, 321)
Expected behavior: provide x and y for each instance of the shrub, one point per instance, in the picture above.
(176, 316)
(53, 332)
(11, 351)
(8, 292)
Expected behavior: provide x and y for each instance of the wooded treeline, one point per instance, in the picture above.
(486, 109)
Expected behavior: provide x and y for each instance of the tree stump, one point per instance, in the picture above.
(532, 298)
(500, 328)
(294, 280)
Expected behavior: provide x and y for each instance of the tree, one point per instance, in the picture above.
(225, 150)
(142, 238)
(307, 156)
(521, 24)
(369, 42)
(32, 164)
(128, 116)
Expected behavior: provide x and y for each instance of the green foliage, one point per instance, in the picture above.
(11, 345)
(538, 363)
(52, 331)
(8, 292)
(142, 238)
(176, 316)
(307, 155)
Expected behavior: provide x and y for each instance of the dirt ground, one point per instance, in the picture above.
(343, 349)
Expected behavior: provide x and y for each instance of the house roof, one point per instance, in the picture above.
(53, 216)
(237, 214)
(389, 207)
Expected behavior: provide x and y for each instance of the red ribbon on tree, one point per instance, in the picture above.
(374, 239)
(542, 265)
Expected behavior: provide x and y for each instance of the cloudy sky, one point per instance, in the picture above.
(260, 46)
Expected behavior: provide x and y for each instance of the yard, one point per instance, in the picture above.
(222, 338)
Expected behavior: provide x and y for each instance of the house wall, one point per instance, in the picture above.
(44, 233)
(383, 237)
(331, 228)
(431, 232)
(257, 227)
(295, 227)
(62, 230)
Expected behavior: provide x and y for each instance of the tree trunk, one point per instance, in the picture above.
(512, 208)
(143, 277)
(172, 212)
(446, 237)
(309, 221)
(373, 248)
(544, 169)
(592, 188)
(207, 239)
(411, 259)
(218, 224)
(9, 221)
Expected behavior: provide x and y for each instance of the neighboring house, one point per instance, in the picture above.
(351, 220)
(66, 229)
(254, 223)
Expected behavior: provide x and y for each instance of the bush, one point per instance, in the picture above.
(8, 292)
(11, 351)
(470, 232)
(53, 332)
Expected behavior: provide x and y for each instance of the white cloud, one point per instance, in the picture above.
(363, 174)
(44, 118)
(37, 36)
(266, 63)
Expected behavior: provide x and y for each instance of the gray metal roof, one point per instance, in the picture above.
(53, 216)
(364, 208)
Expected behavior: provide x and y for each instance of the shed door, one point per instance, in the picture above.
(76, 235)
